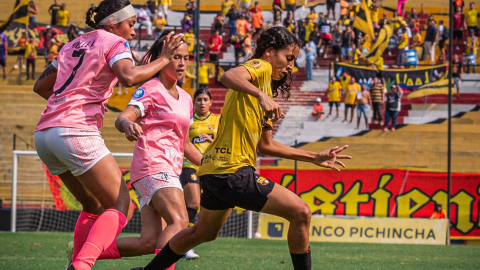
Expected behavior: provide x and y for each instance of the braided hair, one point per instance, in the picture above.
(104, 9)
(278, 38)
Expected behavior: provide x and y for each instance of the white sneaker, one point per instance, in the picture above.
(15, 66)
(24, 67)
(190, 255)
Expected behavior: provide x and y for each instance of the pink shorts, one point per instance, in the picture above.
(147, 186)
(69, 149)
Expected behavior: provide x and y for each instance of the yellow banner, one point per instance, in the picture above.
(362, 230)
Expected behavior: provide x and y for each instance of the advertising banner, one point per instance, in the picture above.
(362, 230)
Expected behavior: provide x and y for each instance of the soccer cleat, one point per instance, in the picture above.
(190, 255)
(69, 256)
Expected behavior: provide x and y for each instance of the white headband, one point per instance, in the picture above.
(119, 16)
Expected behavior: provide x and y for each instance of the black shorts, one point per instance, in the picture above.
(188, 176)
(336, 49)
(291, 7)
(337, 103)
(2, 63)
(441, 44)
(244, 189)
(331, 5)
(349, 106)
(458, 34)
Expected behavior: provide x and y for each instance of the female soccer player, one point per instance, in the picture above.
(77, 86)
(202, 132)
(158, 118)
(227, 171)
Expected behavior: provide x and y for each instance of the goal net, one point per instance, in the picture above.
(41, 202)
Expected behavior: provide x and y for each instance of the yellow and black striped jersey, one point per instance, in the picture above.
(207, 125)
(241, 124)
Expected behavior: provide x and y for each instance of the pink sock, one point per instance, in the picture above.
(111, 252)
(103, 233)
(84, 223)
(172, 267)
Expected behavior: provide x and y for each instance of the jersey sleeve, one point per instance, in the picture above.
(120, 50)
(267, 123)
(257, 70)
(142, 100)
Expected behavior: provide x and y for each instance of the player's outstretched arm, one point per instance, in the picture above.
(129, 75)
(192, 153)
(125, 123)
(328, 158)
(239, 79)
(44, 85)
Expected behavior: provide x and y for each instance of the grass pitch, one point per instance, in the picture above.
(46, 250)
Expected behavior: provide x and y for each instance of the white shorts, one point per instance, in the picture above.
(69, 149)
(148, 185)
(163, 9)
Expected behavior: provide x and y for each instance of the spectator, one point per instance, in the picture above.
(415, 16)
(343, 22)
(72, 33)
(458, 24)
(354, 54)
(471, 18)
(256, 6)
(144, 18)
(402, 46)
(63, 16)
(277, 10)
(439, 212)
(442, 37)
(384, 20)
(3, 53)
(374, 15)
(301, 31)
(242, 26)
(321, 18)
(377, 95)
(472, 48)
(163, 7)
(326, 28)
(21, 52)
(214, 45)
(344, 5)
(331, 7)
(30, 55)
(238, 48)
(46, 35)
(309, 28)
(52, 10)
(457, 74)
(364, 103)
(310, 50)
(257, 18)
(347, 41)
(401, 6)
(333, 91)
(32, 13)
(53, 51)
(336, 42)
(429, 44)
(159, 24)
(417, 43)
(392, 44)
(244, 6)
(317, 109)
(152, 6)
(366, 44)
(219, 23)
(350, 98)
(344, 81)
(226, 5)
(291, 7)
(189, 38)
(288, 20)
(203, 74)
(458, 4)
(317, 39)
(190, 7)
(202, 47)
(232, 16)
(276, 23)
(186, 23)
(247, 46)
(392, 106)
(312, 15)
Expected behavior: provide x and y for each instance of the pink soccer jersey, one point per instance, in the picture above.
(165, 122)
(85, 81)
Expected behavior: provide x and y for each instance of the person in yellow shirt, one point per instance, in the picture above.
(189, 38)
(354, 55)
(374, 10)
(350, 98)
(309, 28)
(163, 7)
(471, 18)
(402, 45)
(472, 48)
(226, 6)
(227, 170)
(159, 24)
(333, 91)
(312, 15)
(344, 81)
(30, 55)
(291, 7)
(203, 74)
(63, 16)
(417, 44)
(244, 6)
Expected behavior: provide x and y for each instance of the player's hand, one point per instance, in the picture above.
(171, 44)
(328, 158)
(132, 131)
(206, 137)
(271, 108)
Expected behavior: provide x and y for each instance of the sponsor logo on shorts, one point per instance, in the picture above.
(139, 93)
(193, 177)
(262, 180)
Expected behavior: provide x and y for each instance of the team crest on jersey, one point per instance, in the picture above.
(254, 63)
(262, 180)
(127, 45)
(193, 177)
(139, 93)
(211, 127)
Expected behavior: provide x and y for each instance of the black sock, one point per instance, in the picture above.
(192, 214)
(302, 261)
(164, 259)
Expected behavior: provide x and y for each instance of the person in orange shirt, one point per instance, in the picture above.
(439, 213)
(317, 109)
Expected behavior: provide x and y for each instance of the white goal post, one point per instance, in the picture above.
(15, 165)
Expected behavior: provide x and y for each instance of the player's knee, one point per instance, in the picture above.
(180, 221)
(303, 214)
(194, 205)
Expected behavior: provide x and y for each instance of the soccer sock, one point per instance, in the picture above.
(192, 213)
(164, 259)
(111, 252)
(84, 223)
(103, 233)
(302, 261)
(169, 268)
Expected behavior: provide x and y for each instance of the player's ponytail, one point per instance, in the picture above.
(278, 38)
(103, 10)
